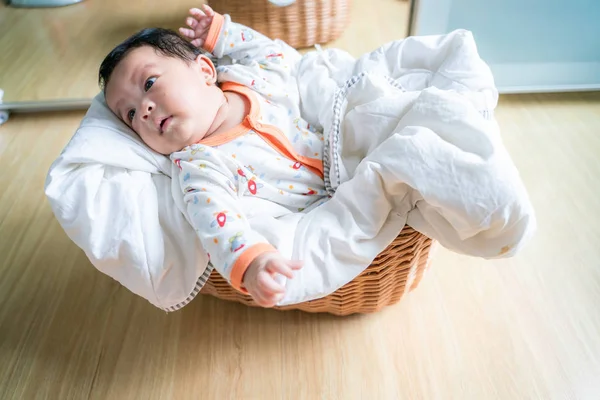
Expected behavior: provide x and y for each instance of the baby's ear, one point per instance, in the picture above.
(207, 68)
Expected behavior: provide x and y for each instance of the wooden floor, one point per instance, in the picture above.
(54, 53)
(525, 328)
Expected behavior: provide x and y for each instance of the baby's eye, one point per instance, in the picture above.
(130, 115)
(149, 84)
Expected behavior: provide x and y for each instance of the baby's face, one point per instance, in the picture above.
(169, 103)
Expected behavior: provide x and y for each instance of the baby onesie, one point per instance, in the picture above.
(273, 154)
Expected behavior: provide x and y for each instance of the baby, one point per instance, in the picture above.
(240, 138)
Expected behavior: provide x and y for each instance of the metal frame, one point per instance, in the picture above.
(41, 3)
(45, 106)
(412, 13)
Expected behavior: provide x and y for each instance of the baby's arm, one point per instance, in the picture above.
(263, 59)
(240, 254)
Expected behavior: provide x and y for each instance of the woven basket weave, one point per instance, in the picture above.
(396, 271)
(301, 24)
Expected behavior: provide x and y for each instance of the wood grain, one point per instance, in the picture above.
(54, 53)
(524, 328)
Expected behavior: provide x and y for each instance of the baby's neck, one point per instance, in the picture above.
(233, 111)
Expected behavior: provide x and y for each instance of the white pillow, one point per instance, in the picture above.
(112, 196)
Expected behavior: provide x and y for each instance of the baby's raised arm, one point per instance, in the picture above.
(244, 55)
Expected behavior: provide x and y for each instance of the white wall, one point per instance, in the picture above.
(531, 45)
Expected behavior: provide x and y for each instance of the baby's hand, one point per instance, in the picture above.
(259, 279)
(199, 22)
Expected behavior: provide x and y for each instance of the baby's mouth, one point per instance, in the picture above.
(165, 123)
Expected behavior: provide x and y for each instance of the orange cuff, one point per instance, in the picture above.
(244, 261)
(214, 32)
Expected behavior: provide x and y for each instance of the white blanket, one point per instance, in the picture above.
(410, 139)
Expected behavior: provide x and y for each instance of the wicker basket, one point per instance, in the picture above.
(396, 271)
(304, 23)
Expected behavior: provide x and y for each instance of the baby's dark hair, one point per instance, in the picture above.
(164, 41)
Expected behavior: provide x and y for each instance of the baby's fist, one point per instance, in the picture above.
(259, 279)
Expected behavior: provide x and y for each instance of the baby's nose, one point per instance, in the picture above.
(147, 113)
